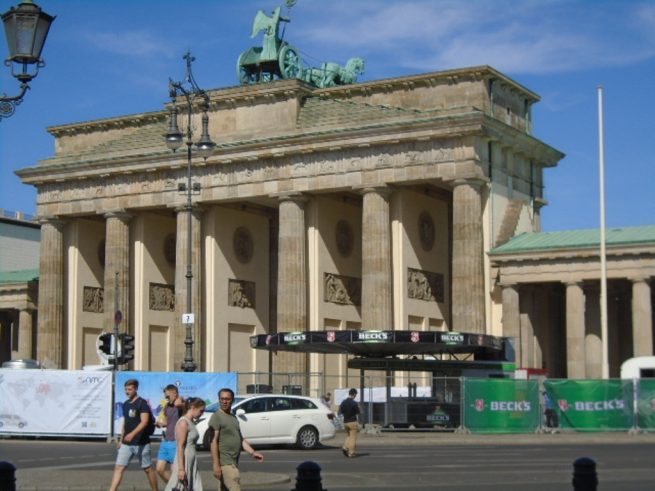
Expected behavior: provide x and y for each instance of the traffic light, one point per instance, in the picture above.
(127, 348)
(106, 346)
(105, 343)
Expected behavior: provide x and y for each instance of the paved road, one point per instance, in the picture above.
(401, 461)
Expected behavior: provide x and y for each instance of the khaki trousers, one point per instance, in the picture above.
(351, 440)
(230, 479)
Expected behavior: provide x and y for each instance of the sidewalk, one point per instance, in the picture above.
(91, 479)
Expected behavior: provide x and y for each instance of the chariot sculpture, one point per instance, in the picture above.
(278, 59)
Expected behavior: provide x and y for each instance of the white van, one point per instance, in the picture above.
(639, 367)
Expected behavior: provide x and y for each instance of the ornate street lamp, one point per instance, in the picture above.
(205, 147)
(26, 28)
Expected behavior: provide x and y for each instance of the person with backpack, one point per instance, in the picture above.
(138, 425)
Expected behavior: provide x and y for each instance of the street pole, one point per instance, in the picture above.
(189, 365)
(205, 147)
(116, 321)
(603, 254)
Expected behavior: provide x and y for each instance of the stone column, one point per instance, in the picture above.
(642, 317)
(117, 270)
(292, 278)
(181, 300)
(50, 344)
(468, 266)
(575, 331)
(377, 284)
(512, 319)
(593, 334)
(527, 328)
(25, 334)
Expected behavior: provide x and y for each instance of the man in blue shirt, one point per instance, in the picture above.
(135, 440)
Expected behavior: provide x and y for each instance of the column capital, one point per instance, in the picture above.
(196, 209)
(507, 284)
(121, 214)
(578, 283)
(538, 203)
(53, 220)
(294, 196)
(474, 182)
(641, 279)
(384, 191)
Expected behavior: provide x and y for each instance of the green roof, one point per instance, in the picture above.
(570, 239)
(21, 276)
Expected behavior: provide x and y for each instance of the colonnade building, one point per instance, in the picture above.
(388, 204)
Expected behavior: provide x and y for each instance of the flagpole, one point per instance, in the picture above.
(603, 253)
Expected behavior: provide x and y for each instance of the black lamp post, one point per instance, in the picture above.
(26, 28)
(205, 147)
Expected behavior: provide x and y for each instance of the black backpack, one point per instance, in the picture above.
(150, 429)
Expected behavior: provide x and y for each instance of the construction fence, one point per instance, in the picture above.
(479, 405)
(88, 404)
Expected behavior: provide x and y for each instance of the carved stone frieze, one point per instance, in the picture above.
(241, 293)
(159, 187)
(342, 290)
(162, 297)
(92, 299)
(425, 285)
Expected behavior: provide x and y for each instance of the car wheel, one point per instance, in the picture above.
(21, 425)
(307, 438)
(207, 438)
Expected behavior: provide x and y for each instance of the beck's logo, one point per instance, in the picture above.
(371, 336)
(414, 336)
(479, 405)
(563, 404)
(294, 337)
(331, 336)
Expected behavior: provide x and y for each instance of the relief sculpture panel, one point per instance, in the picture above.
(342, 290)
(425, 285)
(162, 297)
(92, 299)
(241, 293)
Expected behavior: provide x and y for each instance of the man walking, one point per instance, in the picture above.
(135, 440)
(349, 409)
(227, 443)
(173, 407)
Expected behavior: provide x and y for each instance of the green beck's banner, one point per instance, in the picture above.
(646, 405)
(501, 405)
(592, 405)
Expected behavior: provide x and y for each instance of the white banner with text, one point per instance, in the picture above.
(55, 402)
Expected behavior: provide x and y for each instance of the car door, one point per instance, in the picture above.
(284, 420)
(256, 422)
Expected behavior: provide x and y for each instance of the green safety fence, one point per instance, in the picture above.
(593, 405)
(645, 403)
(501, 405)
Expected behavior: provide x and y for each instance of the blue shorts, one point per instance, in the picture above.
(126, 452)
(167, 451)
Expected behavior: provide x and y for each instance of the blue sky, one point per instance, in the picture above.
(113, 57)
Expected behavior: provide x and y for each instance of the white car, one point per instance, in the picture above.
(273, 419)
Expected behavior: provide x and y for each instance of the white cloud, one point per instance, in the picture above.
(547, 36)
(134, 44)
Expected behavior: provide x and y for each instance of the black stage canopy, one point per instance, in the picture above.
(380, 344)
